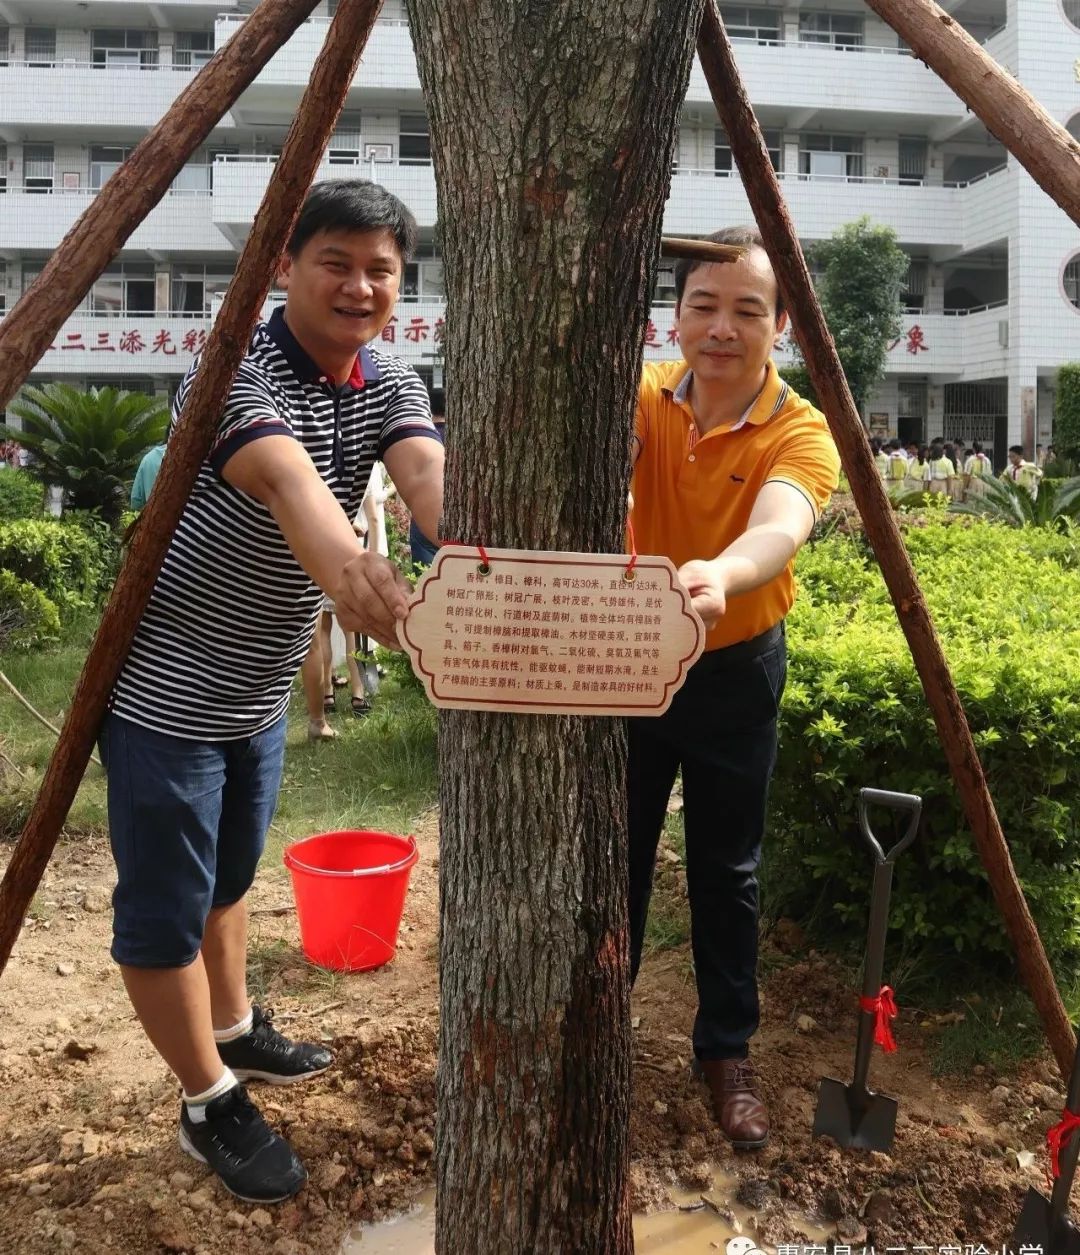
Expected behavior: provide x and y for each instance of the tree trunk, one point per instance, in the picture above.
(553, 126)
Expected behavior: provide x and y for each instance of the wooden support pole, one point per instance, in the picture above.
(136, 188)
(774, 222)
(187, 449)
(1009, 111)
(698, 250)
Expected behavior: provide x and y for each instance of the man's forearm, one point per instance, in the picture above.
(756, 557)
(315, 528)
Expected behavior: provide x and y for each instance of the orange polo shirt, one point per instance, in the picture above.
(693, 494)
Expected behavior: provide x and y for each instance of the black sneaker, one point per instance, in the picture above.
(253, 1162)
(265, 1055)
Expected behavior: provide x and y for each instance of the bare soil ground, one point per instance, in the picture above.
(89, 1160)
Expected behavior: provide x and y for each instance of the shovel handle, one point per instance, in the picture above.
(895, 801)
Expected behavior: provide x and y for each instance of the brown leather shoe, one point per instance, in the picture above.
(737, 1102)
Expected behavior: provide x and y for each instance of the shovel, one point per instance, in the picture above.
(852, 1115)
(367, 665)
(1043, 1224)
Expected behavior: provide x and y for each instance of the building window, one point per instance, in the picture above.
(38, 166)
(724, 162)
(414, 140)
(193, 49)
(750, 25)
(1071, 280)
(195, 289)
(834, 30)
(913, 292)
(5, 45)
(124, 49)
(126, 288)
(345, 144)
(1071, 9)
(3, 287)
(912, 161)
(105, 160)
(831, 156)
(40, 46)
(3, 167)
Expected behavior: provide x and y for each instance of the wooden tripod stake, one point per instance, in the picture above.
(188, 447)
(763, 191)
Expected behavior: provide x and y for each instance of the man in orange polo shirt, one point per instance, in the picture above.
(731, 470)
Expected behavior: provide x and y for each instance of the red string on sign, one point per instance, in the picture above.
(483, 552)
(1057, 1138)
(883, 1008)
(633, 549)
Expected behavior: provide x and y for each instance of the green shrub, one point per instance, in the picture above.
(854, 714)
(20, 496)
(58, 558)
(27, 616)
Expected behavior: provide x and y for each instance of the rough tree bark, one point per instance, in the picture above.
(553, 124)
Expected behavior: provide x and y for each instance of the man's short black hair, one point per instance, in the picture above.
(739, 237)
(1017, 448)
(354, 205)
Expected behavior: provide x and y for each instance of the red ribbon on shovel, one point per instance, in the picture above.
(883, 1007)
(1058, 1136)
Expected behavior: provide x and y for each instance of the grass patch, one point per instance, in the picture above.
(668, 924)
(46, 677)
(997, 1031)
(380, 773)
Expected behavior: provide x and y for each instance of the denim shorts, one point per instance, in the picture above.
(187, 824)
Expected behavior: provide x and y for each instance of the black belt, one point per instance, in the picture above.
(742, 651)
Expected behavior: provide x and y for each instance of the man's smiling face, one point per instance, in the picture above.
(341, 289)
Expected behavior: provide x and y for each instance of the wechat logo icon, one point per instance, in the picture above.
(742, 1246)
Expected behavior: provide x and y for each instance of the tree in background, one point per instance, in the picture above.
(861, 273)
(1067, 415)
(553, 126)
(89, 444)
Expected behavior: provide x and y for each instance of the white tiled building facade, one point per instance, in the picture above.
(854, 123)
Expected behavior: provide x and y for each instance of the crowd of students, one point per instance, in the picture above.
(943, 467)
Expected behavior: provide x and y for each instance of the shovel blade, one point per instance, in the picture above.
(860, 1120)
(1036, 1228)
(371, 677)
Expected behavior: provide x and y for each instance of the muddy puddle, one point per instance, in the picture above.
(698, 1224)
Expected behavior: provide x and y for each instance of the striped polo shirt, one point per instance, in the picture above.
(233, 612)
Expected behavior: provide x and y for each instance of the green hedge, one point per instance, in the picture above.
(854, 714)
(27, 616)
(65, 562)
(21, 496)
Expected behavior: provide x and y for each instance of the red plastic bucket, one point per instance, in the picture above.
(350, 891)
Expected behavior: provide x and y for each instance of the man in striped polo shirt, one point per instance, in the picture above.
(194, 739)
(731, 469)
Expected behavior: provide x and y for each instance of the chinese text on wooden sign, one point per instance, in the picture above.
(551, 633)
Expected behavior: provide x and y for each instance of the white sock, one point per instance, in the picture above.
(196, 1103)
(238, 1030)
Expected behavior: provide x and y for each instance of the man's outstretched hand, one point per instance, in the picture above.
(705, 582)
(371, 595)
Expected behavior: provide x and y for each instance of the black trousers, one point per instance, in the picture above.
(721, 730)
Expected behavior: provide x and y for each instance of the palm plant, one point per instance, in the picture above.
(1011, 503)
(87, 443)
